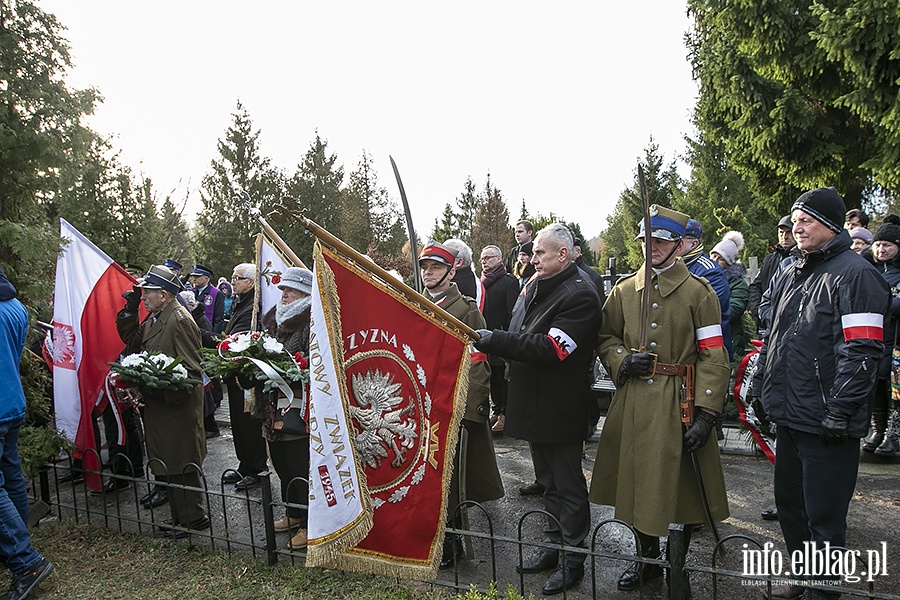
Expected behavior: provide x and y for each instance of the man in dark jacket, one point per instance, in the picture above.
(760, 283)
(549, 347)
(249, 444)
(593, 275)
(524, 233)
(817, 370)
(501, 289)
(465, 278)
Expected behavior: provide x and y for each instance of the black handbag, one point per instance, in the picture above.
(290, 421)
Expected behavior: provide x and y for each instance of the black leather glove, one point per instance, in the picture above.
(697, 434)
(484, 339)
(635, 365)
(132, 299)
(833, 429)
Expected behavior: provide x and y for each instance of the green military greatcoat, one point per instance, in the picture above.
(641, 468)
(173, 426)
(483, 480)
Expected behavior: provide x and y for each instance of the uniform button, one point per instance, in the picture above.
(655, 286)
(523, 328)
(654, 305)
(652, 345)
(653, 325)
(709, 392)
(649, 382)
(618, 351)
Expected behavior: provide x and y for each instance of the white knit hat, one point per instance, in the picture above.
(728, 248)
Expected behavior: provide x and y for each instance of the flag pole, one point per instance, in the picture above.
(411, 294)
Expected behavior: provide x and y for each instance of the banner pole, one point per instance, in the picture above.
(411, 294)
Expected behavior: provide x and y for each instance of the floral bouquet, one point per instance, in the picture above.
(152, 373)
(255, 357)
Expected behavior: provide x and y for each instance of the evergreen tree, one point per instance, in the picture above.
(42, 139)
(176, 234)
(371, 219)
(467, 207)
(491, 219)
(801, 94)
(225, 232)
(447, 227)
(315, 192)
(623, 224)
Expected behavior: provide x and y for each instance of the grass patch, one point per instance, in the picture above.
(95, 562)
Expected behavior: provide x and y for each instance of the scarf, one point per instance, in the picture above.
(488, 278)
(283, 312)
(693, 255)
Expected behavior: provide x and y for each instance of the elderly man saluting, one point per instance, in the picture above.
(549, 347)
(173, 424)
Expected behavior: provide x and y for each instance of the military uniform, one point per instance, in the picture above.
(173, 426)
(641, 468)
(483, 480)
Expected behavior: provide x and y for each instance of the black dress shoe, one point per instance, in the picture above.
(247, 482)
(563, 578)
(212, 434)
(231, 477)
(111, 486)
(157, 497)
(542, 562)
(631, 578)
(532, 489)
(176, 534)
(769, 515)
(452, 543)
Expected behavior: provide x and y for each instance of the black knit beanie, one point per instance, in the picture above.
(889, 230)
(824, 205)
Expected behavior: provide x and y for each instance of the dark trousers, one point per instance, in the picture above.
(291, 462)
(186, 505)
(814, 483)
(132, 450)
(558, 468)
(499, 387)
(249, 444)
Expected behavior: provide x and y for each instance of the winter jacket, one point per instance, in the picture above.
(213, 303)
(891, 273)
(13, 329)
(761, 282)
(499, 300)
(703, 266)
(549, 348)
(825, 342)
(737, 302)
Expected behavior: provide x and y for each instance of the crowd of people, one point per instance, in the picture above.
(824, 303)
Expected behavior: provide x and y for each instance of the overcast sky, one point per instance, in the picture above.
(555, 100)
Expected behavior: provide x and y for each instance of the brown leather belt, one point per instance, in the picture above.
(687, 373)
(671, 369)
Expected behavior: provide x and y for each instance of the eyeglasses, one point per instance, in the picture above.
(237, 278)
(487, 258)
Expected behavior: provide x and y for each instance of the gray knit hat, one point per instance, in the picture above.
(298, 279)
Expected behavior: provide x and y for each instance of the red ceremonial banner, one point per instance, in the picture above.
(407, 378)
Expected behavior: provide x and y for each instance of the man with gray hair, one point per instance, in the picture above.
(549, 348)
(465, 278)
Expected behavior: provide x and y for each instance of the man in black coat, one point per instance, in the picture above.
(249, 444)
(760, 283)
(524, 233)
(549, 347)
(501, 289)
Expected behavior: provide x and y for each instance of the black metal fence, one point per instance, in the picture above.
(243, 521)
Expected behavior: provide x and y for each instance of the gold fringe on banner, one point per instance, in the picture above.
(328, 551)
(343, 555)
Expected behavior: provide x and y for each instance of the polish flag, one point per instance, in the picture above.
(88, 293)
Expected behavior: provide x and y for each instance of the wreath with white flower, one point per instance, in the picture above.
(255, 356)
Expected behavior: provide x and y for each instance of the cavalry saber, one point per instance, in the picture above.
(413, 250)
(648, 261)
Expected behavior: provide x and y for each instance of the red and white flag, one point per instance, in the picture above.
(271, 264)
(388, 385)
(89, 286)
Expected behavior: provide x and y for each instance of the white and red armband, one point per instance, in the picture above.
(709, 337)
(562, 342)
(867, 326)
